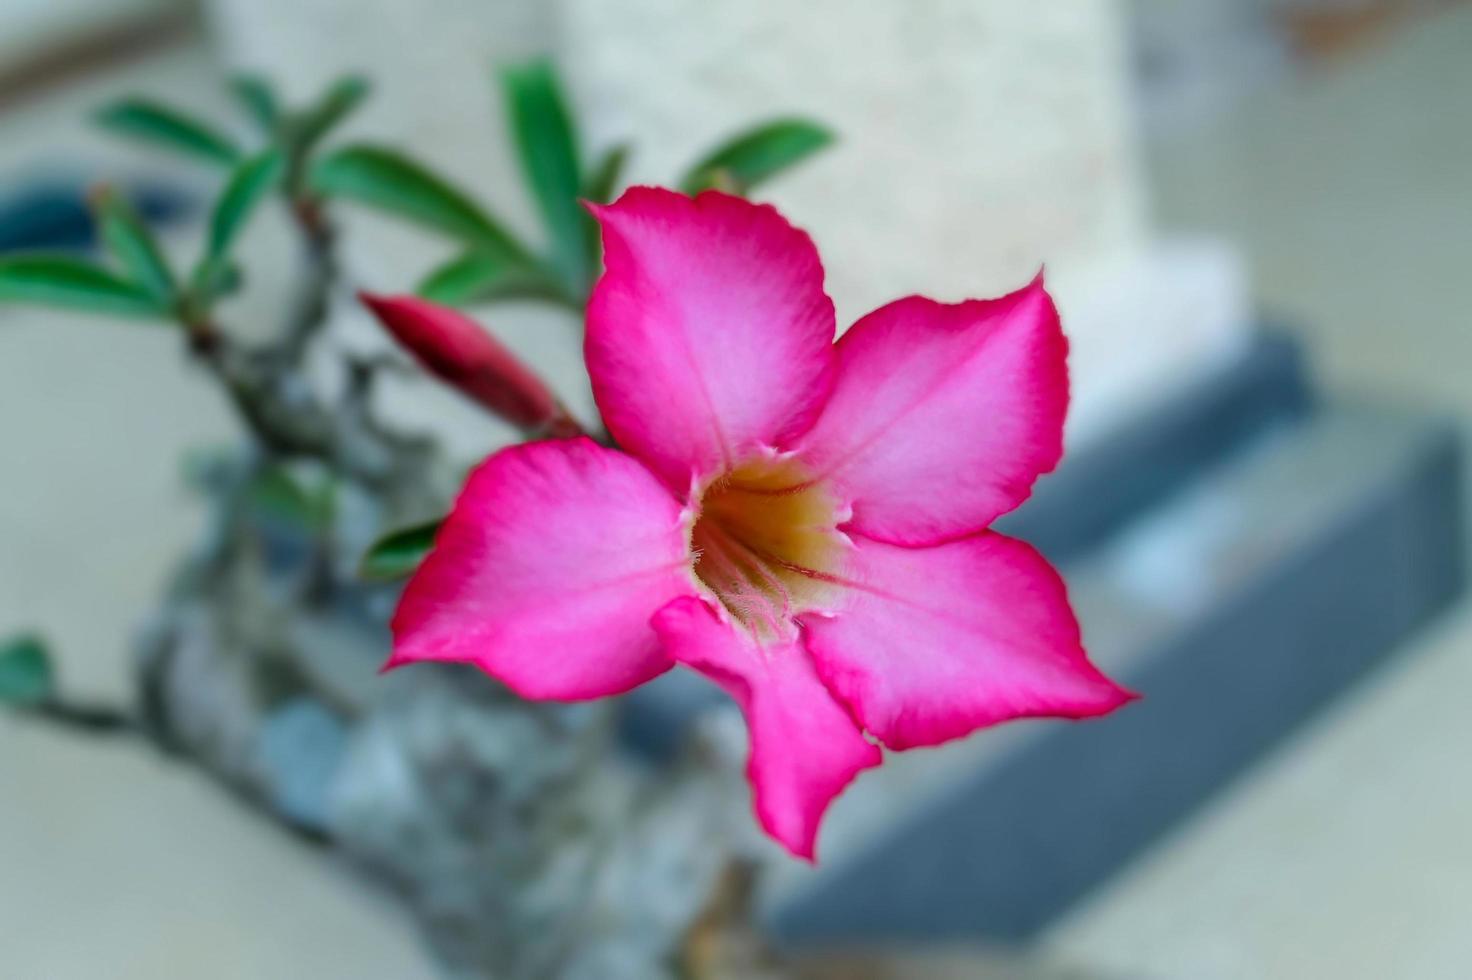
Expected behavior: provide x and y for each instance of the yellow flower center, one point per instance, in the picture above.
(765, 543)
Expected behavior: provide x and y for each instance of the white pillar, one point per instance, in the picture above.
(977, 137)
(979, 140)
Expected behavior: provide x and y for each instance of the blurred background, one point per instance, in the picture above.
(1257, 217)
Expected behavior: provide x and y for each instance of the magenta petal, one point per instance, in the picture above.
(942, 416)
(709, 333)
(546, 572)
(931, 644)
(804, 747)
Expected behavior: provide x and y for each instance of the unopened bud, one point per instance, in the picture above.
(458, 351)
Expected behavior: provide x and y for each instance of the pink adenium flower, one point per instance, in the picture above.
(802, 521)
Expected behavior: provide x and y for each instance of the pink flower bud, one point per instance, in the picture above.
(458, 351)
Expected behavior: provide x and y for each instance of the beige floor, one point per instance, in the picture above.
(1344, 856)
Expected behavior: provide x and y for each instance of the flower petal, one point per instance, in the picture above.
(929, 644)
(804, 747)
(942, 416)
(709, 333)
(546, 572)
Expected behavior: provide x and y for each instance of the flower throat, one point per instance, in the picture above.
(765, 543)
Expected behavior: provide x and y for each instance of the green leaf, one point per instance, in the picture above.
(250, 182)
(481, 277)
(278, 493)
(332, 108)
(129, 239)
(756, 155)
(214, 279)
(62, 281)
(170, 129)
(396, 555)
(259, 99)
(26, 675)
(602, 180)
(549, 160)
(383, 178)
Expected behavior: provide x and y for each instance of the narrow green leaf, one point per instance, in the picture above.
(214, 279)
(278, 493)
(211, 281)
(756, 155)
(129, 239)
(215, 275)
(259, 99)
(396, 555)
(481, 277)
(170, 129)
(548, 149)
(461, 279)
(602, 180)
(250, 182)
(332, 108)
(383, 178)
(26, 675)
(62, 281)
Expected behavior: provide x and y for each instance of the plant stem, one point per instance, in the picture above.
(309, 312)
(108, 721)
(88, 719)
(268, 387)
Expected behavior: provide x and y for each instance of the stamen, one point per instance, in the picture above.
(765, 542)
